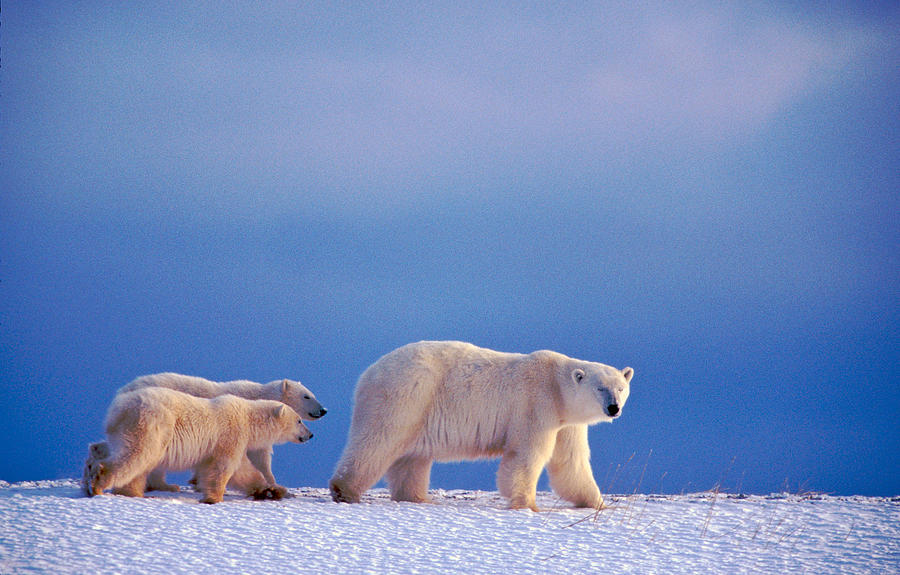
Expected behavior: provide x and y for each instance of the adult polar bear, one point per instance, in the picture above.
(450, 401)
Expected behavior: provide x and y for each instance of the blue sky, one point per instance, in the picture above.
(707, 192)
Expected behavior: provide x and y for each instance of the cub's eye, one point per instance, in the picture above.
(578, 375)
(306, 397)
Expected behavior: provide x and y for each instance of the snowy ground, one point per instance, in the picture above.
(49, 527)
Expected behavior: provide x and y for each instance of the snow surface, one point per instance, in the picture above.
(49, 527)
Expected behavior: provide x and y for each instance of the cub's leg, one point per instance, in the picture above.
(251, 481)
(134, 488)
(127, 467)
(262, 460)
(212, 477)
(156, 481)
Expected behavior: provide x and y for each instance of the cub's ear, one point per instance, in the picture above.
(628, 373)
(280, 411)
(284, 386)
(577, 375)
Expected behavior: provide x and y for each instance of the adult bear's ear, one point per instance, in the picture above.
(628, 373)
(284, 386)
(577, 375)
(279, 411)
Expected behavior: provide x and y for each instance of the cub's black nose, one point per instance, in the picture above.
(613, 409)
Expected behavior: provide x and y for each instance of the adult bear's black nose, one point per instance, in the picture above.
(612, 410)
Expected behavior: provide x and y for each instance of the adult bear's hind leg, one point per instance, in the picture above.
(391, 404)
(408, 479)
(359, 469)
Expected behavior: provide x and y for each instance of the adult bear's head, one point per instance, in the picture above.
(599, 391)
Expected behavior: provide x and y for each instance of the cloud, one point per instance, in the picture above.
(327, 106)
(512, 91)
(714, 76)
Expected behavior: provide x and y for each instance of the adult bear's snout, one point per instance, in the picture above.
(613, 410)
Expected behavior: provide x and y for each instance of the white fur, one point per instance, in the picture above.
(159, 428)
(450, 401)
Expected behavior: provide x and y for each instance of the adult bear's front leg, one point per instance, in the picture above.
(520, 469)
(569, 468)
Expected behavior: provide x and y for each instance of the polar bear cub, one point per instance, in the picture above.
(450, 401)
(255, 476)
(289, 392)
(159, 428)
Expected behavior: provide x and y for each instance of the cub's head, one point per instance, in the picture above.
(292, 427)
(303, 401)
(600, 391)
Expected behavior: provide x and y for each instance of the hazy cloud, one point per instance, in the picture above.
(387, 103)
